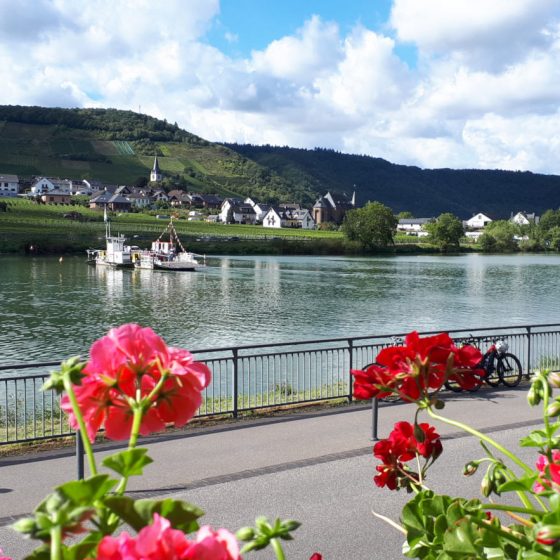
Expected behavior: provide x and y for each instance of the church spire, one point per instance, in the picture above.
(155, 175)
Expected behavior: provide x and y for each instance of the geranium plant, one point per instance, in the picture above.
(446, 527)
(132, 385)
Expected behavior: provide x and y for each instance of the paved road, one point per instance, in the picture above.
(316, 467)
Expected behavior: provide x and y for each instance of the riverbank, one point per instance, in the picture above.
(30, 228)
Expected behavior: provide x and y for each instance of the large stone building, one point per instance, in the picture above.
(332, 207)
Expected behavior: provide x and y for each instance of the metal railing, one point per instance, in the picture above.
(248, 378)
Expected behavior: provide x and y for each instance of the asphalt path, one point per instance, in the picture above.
(312, 466)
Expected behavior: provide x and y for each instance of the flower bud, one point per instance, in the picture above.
(290, 525)
(554, 379)
(470, 468)
(553, 409)
(534, 396)
(548, 535)
(439, 404)
(245, 534)
(26, 525)
(486, 486)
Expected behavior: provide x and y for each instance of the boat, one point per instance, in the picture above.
(168, 255)
(116, 253)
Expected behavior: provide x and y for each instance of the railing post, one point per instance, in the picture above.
(351, 364)
(235, 381)
(528, 370)
(79, 455)
(374, 418)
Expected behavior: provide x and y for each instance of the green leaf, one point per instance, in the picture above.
(86, 492)
(536, 438)
(462, 540)
(140, 513)
(128, 463)
(522, 484)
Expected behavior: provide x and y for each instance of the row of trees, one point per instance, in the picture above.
(374, 225)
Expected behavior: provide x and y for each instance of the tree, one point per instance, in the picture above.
(446, 231)
(372, 225)
(406, 215)
(499, 237)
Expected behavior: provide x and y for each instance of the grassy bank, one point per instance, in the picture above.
(28, 227)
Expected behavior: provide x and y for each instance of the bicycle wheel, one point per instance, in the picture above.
(492, 378)
(509, 369)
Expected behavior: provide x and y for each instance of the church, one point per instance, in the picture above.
(156, 175)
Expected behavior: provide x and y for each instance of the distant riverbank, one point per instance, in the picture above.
(29, 228)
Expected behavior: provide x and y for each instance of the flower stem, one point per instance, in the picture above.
(481, 437)
(134, 431)
(56, 542)
(136, 422)
(277, 547)
(81, 424)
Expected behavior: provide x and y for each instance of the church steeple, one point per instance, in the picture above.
(155, 175)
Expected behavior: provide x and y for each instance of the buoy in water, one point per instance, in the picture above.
(61, 259)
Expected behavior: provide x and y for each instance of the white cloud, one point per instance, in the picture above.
(485, 91)
(482, 32)
(313, 50)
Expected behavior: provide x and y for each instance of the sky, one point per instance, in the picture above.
(432, 83)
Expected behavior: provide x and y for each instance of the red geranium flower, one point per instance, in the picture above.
(400, 447)
(418, 366)
(126, 365)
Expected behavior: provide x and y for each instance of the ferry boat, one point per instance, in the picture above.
(168, 255)
(116, 253)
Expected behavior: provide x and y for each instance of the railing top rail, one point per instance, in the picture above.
(353, 339)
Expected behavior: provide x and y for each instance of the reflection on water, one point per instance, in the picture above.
(51, 310)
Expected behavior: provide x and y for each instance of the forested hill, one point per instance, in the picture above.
(424, 192)
(118, 147)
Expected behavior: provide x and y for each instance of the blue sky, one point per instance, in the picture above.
(246, 25)
(432, 83)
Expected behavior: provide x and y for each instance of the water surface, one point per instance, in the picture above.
(51, 309)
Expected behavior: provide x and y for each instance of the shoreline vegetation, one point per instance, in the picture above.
(30, 228)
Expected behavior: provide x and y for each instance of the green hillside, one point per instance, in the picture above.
(118, 147)
(424, 192)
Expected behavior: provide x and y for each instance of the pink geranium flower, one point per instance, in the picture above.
(159, 541)
(549, 473)
(126, 365)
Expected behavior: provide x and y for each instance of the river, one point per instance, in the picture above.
(52, 309)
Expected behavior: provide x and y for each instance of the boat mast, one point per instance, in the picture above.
(107, 223)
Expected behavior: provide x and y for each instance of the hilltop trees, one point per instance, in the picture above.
(371, 226)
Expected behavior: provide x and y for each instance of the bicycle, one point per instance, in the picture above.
(499, 365)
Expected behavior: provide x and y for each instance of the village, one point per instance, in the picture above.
(327, 212)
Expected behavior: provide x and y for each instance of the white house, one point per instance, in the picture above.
(478, 221)
(274, 218)
(524, 219)
(226, 207)
(45, 185)
(279, 217)
(139, 200)
(414, 226)
(9, 185)
(304, 218)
